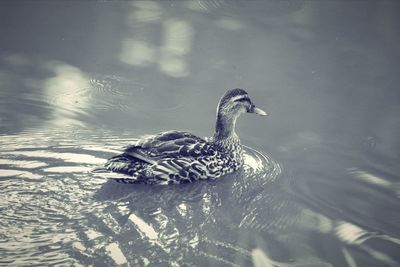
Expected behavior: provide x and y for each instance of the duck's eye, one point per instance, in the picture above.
(242, 99)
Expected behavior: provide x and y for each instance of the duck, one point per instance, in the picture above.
(178, 157)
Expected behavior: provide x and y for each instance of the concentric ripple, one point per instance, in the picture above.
(54, 211)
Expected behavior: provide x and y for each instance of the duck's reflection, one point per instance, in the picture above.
(185, 221)
(154, 195)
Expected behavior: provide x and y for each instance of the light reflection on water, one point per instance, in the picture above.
(66, 214)
(75, 207)
(71, 98)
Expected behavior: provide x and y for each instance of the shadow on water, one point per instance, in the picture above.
(330, 85)
(76, 216)
(258, 215)
(95, 221)
(192, 221)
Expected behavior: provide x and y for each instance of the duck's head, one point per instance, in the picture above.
(235, 102)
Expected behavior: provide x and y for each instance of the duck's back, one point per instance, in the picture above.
(170, 157)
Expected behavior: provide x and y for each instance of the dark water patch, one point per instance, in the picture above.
(61, 208)
(65, 201)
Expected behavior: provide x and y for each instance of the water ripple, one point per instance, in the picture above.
(54, 211)
(68, 212)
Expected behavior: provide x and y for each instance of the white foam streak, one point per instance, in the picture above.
(260, 259)
(369, 178)
(116, 254)
(146, 229)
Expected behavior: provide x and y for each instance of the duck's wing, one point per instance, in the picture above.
(171, 144)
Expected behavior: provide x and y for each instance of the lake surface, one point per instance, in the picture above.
(320, 185)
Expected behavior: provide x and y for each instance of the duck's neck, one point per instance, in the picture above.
(225, 130)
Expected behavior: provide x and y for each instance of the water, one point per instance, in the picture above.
(320, 186)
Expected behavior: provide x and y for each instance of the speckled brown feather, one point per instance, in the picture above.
(172, 157)
(180, 157)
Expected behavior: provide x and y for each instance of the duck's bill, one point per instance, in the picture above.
(259, 111)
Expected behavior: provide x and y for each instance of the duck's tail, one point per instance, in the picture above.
(114, 176)
(123, 169)
(100, 170)
(123, 180)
